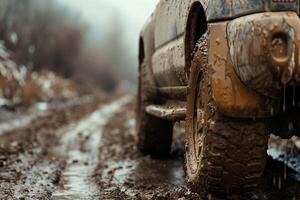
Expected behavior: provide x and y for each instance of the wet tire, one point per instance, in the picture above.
(154, 134)
(223, 155)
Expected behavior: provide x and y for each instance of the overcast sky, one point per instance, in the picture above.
(103, 15)
(100, 14)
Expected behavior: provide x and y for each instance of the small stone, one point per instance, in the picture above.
(75, 161)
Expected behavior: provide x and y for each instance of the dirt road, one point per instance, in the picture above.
(85, 149)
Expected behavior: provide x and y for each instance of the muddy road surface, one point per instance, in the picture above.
(85, 149)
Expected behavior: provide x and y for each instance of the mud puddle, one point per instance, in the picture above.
(124, 172)
(81, 143)
(89, 152)
(30, 167)
(282, 175)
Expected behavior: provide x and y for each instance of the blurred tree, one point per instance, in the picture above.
(41, 34)
(44, 34)
(117, 48)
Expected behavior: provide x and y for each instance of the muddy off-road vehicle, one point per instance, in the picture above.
(231, 70)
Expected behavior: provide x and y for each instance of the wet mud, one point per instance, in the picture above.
(29, 166)
(88, 151)
(126, 173)
(130, 175)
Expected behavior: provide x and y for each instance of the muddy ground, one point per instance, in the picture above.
(85, 149)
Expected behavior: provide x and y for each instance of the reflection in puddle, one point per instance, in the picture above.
(77, 177)
(281, 179)
(159, 172)
(81, 145)
(289, 156)
(145, 170)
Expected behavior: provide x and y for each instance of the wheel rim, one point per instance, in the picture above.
(195, 138)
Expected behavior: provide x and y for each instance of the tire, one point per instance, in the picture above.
(223, 155)
(154, 134)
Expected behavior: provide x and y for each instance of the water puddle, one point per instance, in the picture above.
(291, 160)
(81, 143)
(157, 172)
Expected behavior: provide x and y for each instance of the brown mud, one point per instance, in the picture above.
(88, 151)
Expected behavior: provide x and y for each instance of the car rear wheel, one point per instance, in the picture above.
(154, 134)
(223, 155)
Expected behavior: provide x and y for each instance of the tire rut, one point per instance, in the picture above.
(80, 147)
(30, 167)
(124, 172)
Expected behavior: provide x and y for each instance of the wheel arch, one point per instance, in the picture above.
(146, 48)
(196, 26)
(141, 54)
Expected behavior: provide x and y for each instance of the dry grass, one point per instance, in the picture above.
(19, 86)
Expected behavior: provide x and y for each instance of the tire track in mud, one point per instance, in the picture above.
(123, 173)
(30, 167)
(80, 144)
(80, 153)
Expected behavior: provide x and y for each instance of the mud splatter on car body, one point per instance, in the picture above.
(239, 64)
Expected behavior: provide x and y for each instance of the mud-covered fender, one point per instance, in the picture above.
(264, 50)
(232, 97)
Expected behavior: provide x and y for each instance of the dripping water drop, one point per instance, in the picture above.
(284, 99)
(285, 171)
(294, 95)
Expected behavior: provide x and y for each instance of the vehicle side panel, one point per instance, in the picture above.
(170, 19)
(168, 64)
(168, 61)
